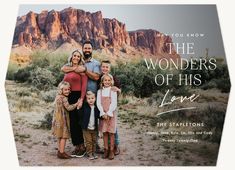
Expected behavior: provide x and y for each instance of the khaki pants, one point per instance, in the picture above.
(90, 140)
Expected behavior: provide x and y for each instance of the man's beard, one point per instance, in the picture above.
(87, 55)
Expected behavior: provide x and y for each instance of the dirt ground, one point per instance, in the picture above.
(37, 147)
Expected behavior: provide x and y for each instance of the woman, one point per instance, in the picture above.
(78, 84)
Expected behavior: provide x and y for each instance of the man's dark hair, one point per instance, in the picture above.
(87, 42)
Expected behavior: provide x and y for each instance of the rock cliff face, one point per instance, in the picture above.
(152, 40)
(50, 29)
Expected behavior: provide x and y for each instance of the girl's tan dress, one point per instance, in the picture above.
(60, 122)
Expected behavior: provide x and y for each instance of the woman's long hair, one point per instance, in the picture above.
(81, 62)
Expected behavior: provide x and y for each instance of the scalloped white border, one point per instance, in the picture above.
(8, 13)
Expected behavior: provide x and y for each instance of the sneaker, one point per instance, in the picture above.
(95, 156)
(74, 153)
(90, 156)
(80, 154)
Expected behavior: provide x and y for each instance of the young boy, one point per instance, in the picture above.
(105, 69)
(90, 115)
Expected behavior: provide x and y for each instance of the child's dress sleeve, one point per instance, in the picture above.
(98, 103)
(113, 104)
(67, 105)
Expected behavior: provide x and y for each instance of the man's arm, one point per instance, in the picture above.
(92, 75)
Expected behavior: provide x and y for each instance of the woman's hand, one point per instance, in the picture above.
(80, 69)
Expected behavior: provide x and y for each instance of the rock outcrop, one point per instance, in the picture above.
(51, 29)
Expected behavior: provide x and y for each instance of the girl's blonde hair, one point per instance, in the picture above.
(61, 86)
(81, 62)
(102, 78)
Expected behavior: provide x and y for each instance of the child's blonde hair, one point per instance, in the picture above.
(102, 78)
(90, 93)
(61, 86)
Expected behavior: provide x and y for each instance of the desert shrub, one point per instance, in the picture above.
(56, 62)
(42, 78)
(40, 59)
(25, 103)
(23, 92)
(136, 79)
(12, 69)
(44, 72)
(209, 85)
(155, 97)
(214, 119)
(218, 78)
(46, 123)
(223, 84)
(123, 101)
(22, 74)
(55, 70)
(48, 96)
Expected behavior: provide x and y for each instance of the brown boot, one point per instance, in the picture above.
(111, 155)
(116, 150)
(67, 155)
(106, 154)
(62, 155)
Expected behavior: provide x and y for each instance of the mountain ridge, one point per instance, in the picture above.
(51, 29)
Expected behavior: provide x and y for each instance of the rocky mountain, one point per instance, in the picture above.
(52, 29)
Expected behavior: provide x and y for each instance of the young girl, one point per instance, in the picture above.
(107, 103)
(106, 69)
(60, 122)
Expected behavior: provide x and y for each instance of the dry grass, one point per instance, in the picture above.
(24, 98)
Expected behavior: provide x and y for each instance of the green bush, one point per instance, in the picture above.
(12, 69)
(23, 74)
(218, 78)
(42, 78)
(46, 123)
(209, 85)
(23, 92)
(155, 97)
(214, 119)
(48, 96)
(123, 101)
(44, 72)
(135, 79)
(223, 84)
